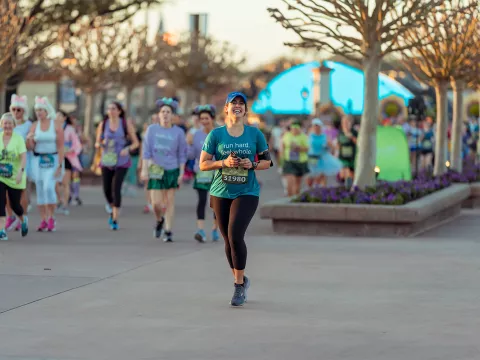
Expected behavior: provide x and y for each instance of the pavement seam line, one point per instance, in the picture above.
(102, 279)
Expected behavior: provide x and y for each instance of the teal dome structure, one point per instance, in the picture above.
(291, 92)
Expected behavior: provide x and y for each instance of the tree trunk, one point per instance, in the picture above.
(128, 101)
(2, 98)
(458, 86)
(440, 166)
(366, 144)
(88, 114)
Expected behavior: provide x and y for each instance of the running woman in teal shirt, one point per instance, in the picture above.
(235, 191)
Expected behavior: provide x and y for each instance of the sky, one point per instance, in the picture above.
(246, 24)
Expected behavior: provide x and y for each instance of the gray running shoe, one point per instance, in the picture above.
(246, 284)
(238, 298)
(157, 231)
(167, 236)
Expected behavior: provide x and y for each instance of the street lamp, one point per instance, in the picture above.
(304, 93)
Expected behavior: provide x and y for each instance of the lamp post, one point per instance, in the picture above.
(304, 93)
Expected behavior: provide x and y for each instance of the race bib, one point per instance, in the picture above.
(294, 156)
(235, 175)
(155, 172)
(427, 144)
(313, 160)
(204, 177)
(47, 161)
(346, 151)
(6, 170)
(109, 159)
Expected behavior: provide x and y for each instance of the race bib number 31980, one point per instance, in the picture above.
(235, 175)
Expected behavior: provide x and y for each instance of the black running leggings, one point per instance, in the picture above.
(202, 203)
(233, 218)
(14, 195)
(112, 185)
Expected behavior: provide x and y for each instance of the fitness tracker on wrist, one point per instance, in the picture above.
(255, 164)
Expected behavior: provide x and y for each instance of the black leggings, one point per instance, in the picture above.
(233, 218)
(201, 204)
(112, 185)
(14, 195)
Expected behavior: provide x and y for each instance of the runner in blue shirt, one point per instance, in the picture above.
(235, 191)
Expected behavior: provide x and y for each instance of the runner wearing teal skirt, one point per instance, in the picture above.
(163, 166)
(203, 179)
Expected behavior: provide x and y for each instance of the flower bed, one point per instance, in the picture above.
(385, 193)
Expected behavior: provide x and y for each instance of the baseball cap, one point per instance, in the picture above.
(317, 122)
(235, 94)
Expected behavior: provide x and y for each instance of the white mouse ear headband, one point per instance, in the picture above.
(43, 103)
(19, 102)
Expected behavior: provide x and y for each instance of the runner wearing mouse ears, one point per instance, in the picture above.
(234, 193)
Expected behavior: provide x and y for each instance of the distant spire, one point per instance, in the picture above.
(161, 25)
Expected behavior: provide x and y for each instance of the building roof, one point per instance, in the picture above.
(284, 94)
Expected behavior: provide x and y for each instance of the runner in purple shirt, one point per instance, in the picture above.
(163, 166)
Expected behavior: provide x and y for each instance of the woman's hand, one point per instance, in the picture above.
(124, 152)
(19, 177)
(231, 161)
(246, 163)
(144, 176)
(58, 172)
(180, 180)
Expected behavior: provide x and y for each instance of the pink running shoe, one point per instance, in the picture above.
(43, 226)
(10, 223)
(19, 225)
(52, 224)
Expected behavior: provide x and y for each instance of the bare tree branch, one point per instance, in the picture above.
(211, 66)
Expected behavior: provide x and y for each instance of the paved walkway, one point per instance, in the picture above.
(88, 293)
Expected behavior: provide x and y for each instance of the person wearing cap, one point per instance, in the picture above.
(321, 162)
(230, 150)
(203, 179)
(12, 173)
(295, 153)
(46, 140)
(347, 149)
(117, 138)
(19, 110)
(163, 166)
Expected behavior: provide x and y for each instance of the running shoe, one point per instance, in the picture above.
(25, 226)
(114, 225)
(157, 231)
(238, 298)
(200, 236)
(168, 236)
(246, 285)
(11, 223)
(62, 210)
(108, 208)
(52, 225)
(43, 226)
(79, 201)
(19, 226)
(215, 235)
(3, 235)
(110, 220)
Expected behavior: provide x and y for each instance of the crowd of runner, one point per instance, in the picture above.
(222, 161)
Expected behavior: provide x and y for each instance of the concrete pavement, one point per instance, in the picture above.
(88, 293)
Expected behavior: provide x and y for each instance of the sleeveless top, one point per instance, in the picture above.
(318, 144)
(45, 141)
(114, 143)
